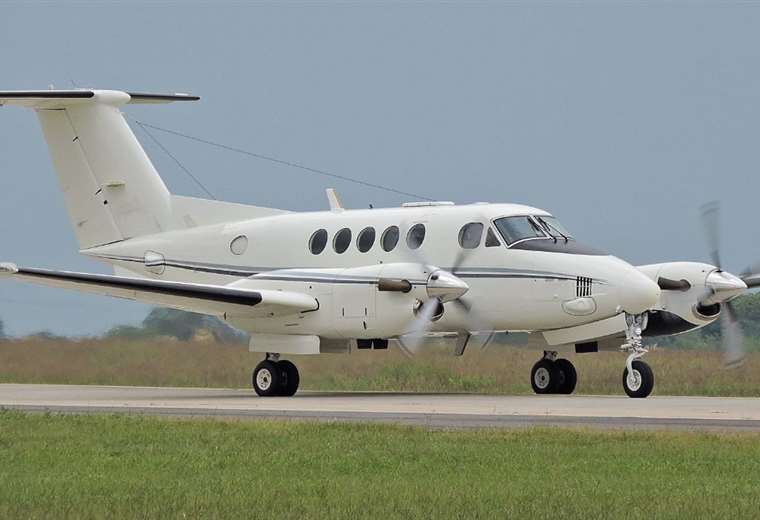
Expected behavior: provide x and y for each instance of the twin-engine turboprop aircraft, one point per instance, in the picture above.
(333, 281)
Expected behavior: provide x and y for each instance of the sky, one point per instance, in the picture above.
(621, 118)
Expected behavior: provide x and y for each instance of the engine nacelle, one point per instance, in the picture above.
(680, 310)
(368, 302)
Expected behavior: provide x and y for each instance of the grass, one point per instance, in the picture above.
(140, 467)
(501, 370)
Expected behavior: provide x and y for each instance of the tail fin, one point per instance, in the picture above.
(111, 188)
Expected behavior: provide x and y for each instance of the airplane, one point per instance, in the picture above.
(337, 280)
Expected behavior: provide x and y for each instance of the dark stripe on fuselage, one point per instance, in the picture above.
(260, 274)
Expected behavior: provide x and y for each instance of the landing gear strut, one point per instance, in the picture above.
(553, 376)
(638, 378)
(275, 377)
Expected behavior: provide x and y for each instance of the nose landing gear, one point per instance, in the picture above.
(553, 376)
(638, 378)
(274, 377)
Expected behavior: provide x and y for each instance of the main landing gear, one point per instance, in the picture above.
(553, 376)
(274, 377)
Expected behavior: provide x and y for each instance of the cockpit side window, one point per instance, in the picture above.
(514, 229)
(491, 240)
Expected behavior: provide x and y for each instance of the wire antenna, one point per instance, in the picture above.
(174, 158)
(275, 160)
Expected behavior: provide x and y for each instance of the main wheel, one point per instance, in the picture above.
(640, 382)
(267, 379)
(544, 377)
(568, 377)
(290, 378)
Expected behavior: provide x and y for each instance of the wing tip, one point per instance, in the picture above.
(145, 97)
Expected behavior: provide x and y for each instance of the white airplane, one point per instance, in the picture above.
(333, 281)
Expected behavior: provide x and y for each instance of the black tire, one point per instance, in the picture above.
(267, 379)
(290, 378)
(643, 385)
(568, 377)
(544, 377)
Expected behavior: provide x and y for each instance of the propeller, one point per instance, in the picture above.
(443, 287)
(711, 225)
(733, 337)
(723, 287)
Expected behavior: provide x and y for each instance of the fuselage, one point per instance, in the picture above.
(532, 284)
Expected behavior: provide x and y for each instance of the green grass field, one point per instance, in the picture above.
(500, 370)
(136, 467)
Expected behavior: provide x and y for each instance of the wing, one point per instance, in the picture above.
(216, 300)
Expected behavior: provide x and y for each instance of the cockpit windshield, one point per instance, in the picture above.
(554, 228)
(514, 229)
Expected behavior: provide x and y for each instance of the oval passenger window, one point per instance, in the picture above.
(318, 241)
(416, 236)
(470, 234)
(342, 240)
(389, 239)
(366, 239)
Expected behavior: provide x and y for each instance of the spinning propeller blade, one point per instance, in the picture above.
(421, 324)
(733, 337)
(477, 324)
(710, 214)
(723, 287)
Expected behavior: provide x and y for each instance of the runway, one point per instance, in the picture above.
(433, 410)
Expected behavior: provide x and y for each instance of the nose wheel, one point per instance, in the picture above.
(553, 376)
(639, 381)
(275, 378)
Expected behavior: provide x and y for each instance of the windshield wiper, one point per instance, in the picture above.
(550, 227)
(546, 228)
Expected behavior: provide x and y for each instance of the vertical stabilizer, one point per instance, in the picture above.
(111, 188)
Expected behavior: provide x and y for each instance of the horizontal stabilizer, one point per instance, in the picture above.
(216, 300)
(52, 99)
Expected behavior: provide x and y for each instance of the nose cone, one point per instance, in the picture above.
(638, 293)
(445, 286)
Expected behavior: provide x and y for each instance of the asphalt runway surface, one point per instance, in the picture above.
(433, 410)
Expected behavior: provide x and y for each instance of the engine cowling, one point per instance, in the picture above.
(681, 306)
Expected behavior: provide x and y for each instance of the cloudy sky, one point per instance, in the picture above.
(621, 118)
